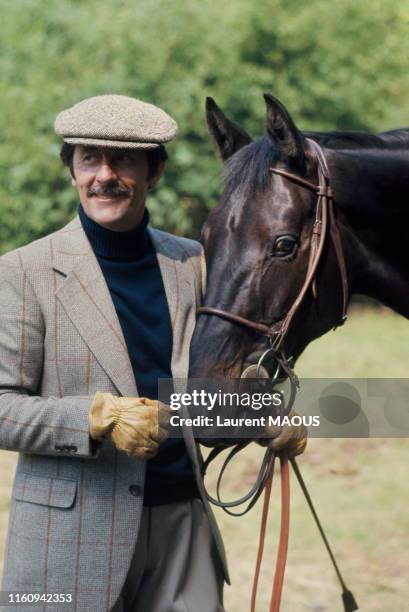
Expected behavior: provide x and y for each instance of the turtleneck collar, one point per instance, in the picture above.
(116, 245)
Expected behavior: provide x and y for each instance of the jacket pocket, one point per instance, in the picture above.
(45, 490)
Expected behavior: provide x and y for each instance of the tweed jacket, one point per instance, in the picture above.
(76, 509)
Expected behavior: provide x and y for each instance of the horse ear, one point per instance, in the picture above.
(283, 132)
(228, 136)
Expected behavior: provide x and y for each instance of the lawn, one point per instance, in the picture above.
(360, 488)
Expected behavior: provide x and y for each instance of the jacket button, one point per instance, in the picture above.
(135, 490)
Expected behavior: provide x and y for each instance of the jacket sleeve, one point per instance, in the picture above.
(28, 422)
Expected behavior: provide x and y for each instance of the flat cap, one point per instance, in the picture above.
(115, 121)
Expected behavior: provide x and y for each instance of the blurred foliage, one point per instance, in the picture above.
(334, 65)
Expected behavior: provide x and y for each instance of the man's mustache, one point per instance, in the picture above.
(108, 191)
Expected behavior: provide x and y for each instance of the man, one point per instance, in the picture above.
(104, 509)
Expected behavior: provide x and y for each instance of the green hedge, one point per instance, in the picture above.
(336, 64)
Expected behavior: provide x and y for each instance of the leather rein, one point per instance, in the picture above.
(324, 225)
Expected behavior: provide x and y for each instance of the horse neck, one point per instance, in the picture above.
(371, 190)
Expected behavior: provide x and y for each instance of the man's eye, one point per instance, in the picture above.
(88, 157)
(284, 246)
(123, 157)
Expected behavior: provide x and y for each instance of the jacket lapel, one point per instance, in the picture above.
(181, 297)
(85, 297)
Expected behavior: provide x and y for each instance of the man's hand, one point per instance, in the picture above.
(136, 425)
(290, 438)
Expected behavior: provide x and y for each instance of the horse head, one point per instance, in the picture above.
(257, 244)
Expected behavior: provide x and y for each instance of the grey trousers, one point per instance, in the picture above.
(175, 566)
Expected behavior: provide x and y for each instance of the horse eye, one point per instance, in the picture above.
(284, 246)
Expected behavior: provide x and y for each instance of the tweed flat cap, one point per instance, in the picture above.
(115, 121)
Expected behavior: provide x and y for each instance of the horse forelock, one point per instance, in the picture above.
(248, 170)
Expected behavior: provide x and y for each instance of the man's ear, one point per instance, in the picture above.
(73, 181)
(159, 171)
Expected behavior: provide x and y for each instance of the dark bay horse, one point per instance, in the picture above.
(257, 240)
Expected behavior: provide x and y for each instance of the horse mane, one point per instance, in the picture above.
(393, 139)
(249, 167)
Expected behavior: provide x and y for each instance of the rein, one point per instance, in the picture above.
(324, 225)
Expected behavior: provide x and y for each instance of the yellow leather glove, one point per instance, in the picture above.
(136, 425)
(290, 438)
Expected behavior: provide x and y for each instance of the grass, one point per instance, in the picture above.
(372, 343)
(360, 489)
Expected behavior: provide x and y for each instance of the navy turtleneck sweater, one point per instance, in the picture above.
(130, 267)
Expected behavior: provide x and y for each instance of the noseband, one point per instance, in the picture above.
(324, 225)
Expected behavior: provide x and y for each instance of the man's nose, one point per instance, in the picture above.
(105, 172)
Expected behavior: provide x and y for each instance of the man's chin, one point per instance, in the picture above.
(109, 208)
(112, 213)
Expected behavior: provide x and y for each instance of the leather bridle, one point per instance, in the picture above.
(324, 225)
